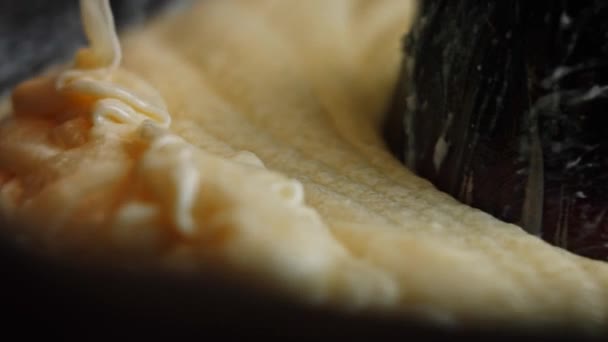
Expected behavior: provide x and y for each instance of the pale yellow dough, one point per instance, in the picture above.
(276, 107)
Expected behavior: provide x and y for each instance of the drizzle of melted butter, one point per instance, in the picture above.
(95, 84)
(92, 159)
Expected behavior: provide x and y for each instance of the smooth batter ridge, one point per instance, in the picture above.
(318, 209)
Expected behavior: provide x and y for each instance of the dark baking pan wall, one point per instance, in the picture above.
(504, 108)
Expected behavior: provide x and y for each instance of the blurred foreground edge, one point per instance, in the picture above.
(51, 299)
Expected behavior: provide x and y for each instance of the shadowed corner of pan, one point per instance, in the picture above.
(60, 300)
(502, 104)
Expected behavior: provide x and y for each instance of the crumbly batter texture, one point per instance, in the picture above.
(244, 136)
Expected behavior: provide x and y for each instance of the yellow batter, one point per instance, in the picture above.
(243, 137)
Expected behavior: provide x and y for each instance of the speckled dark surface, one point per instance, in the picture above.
(518, 91)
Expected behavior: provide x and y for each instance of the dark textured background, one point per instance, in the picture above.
(47, 300)
(525, 146)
